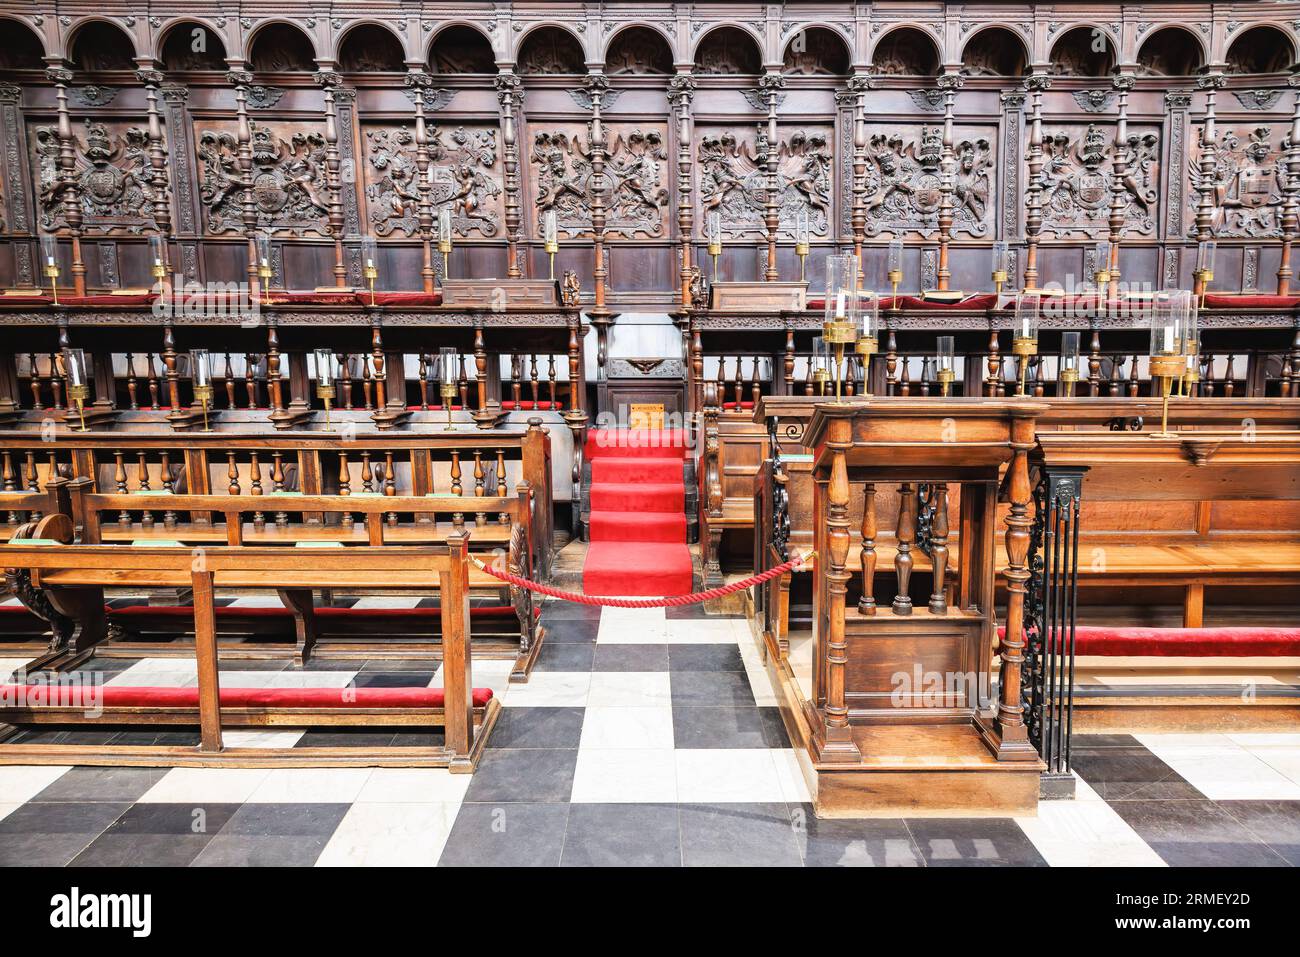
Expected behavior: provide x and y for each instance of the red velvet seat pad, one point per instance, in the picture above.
(984, 300)
(128, 696)
(1186, 642)
(529, 405)
(400, 298)
(1223, 301)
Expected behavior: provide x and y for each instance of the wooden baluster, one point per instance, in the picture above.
(119, 480)
(721, 380)
(534, 380)
(464, 384)
(8, 478)
(516, 381)
(850, 374)
(994, 365)
(255, 488)
(142, 483)
(229, 383)
(345, 385)
(939, 548)
(131, 386)
(480, 490)
(458, 519)
(33, 482)
(891, 363)
(169, 486)
(151, 377)
(56, 384)
(927, 373)
(1116, 375)
(277, 485)
(1229, 379)
(808, 388)
(251, 363)
(390, 484)
(550, 380)
(367, 474)
(906, 536)
(503, 517)
(367, 383)
(34, 383)
(867, 603)
(755, 386)
(422, 374)
(1094, 364)
(345, 486)
(738, 384)
(1038, 376)
(905, 383)
(1133, 383)
(232, 474)
(789, 362)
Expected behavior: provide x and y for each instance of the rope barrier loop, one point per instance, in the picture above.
(663, 602)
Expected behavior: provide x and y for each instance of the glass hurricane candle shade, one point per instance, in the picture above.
(1069, 368)
(326, 373)
(868, 306)
(550, 233)
(1205, 252)
(1024, 331)
(262, 242)
(945, 363)
(74, 374)
(1101, 263)
(447, 377)
(157, 256)
(1170, 325)
(1001, 264)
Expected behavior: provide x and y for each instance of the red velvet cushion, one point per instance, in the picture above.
(400, 298)
(982, 300)
(96, 300)
(732, 405)
(529, 405)
(1186, 642)
(276, 297)
(1245, 301)
(125, 696)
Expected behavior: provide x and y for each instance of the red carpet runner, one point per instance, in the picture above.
(638, 519)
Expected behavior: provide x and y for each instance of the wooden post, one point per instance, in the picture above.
(241, 79)
(939, 548)
(205, 653)
(330, 81)
(1010, 719)
(69, 185)
(1210, 81)
(772, 83)
(906, 535)
(681, 90)
(510, 95)
(1291, 207)
(867, 603)
(419, 82)
(1035, 83)
(1119, 200)
(839, 738)
(458, 691)
(950, 83)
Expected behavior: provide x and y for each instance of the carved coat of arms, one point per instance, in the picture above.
(1077, 182)
(111, 173)
(632, 184)
(289, 188)
(905, 184)
(733, 181)
(1249, 185)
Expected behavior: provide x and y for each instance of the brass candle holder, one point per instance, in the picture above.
(447, 376)
(79, 394)
(945, 361)
(444, 240)
(49, 250)
(801, 249)
(714, 234)
(551, 239)
(1023, 348)
(838, 334)
(1171, 344)
(1001, 267)
(325, 375)
(370, 263)
(203, 395)
(1068, 372)
(1166, 368)
(868, 343)
(74, 374)
(1024, 333)
(821, 373)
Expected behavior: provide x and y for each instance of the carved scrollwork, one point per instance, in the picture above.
(111, 175)
(1249, 184)
(289, 187)
(904, 183)
(733, 180)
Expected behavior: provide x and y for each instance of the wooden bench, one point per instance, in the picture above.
(347, 521)
(74, 577)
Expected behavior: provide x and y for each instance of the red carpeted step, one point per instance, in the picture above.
(635, 443)
(637, 568)
(619, 470)
(639, 497)
(1243, 642)
(638, 527)
(127, 696)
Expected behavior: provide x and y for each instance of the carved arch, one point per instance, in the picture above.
(1071, 54)
(662, 60)
(724, 31)
(374, 32)
(1239, 59)
(835, 59)
(261, 29)
(452, 28)
(1184, 58)
(165, 36)
(100, 31)
(982, 45)
(894, 35)
(21, 47)
(537, 29)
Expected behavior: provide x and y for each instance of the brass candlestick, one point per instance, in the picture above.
(448, 392)
(79, 394)
(203, 394)
(715, 250)
(552, 247)
(946, 378)
(52, 274)
(1024, 347)
(444, 247)
(801, 249)
(999, 280)
(867, 346)
(325, 392)
(1204, 277)
(839, 333)
(371, 274)
(1166, 368)
(895, 277)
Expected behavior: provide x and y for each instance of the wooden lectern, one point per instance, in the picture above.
(902, 718)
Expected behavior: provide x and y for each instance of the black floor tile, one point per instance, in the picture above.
(506, 835)
(973, 842)
(524, 775)
(343, 664)
(284, 820)
(704, 658)
(622, 835)
(631, 658)
(537, 728)
(154, 737)
(418, 739)
(52, 834)
(393, 679)
(710, 689)
(426, 663)
(566, 630)
(738, 835)
(1197, 833)
(235, 850)
(1119, 773)
(113, 785)
(569, 611)
(836, 842)
(344, 739)
(1276, 823)
(566, 656)
(745, 727)
(157, 835)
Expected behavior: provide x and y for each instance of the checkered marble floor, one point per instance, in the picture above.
(643, 737)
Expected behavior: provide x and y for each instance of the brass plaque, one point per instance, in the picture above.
(645, 415)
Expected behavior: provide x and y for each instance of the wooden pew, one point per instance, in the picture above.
(83, 571)
(372, 520)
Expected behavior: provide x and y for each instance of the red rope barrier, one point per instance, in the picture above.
(672, 600)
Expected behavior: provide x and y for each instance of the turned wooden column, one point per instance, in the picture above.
(867, 603)
(772, 83)
(241, 80)
(162, 211)
(906, 535)
(1010, 717)
(1291, 207)
(1210, 81)
(939, 548)
(949, 83)
(681, 90)
(859, 84)
(510, 94)
(69, 185)
(419, 81)
(1119, 199)
(839, 739)
(329, 82)
(1035, 83)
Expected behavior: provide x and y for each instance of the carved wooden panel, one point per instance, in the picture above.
(732, 178)
(111, 170)
(636, 178)
(904, 177)
(466, 175)
(1077, 178)
(289, 187)
(1249, 181)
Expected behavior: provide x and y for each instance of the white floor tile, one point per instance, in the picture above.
(262, 739)
(414, 786)
(7, 809)
(622, 728)
(632, 626)
(257, 601)
(19, 784)
(794, 785)
(1285, 761)
(9, 665)
(1086, 833)
(630, 689)
(550, 689)
(711, 775)
(645, 776)
(1266, 740)
(1222, 772)
(692, 631)
(206, 786)
(286, 679)
(390, 835)
(310, 786)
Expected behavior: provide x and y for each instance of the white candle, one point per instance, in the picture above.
(839, 306)
(49, 260)
(1024, 331)
(1169, 339)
